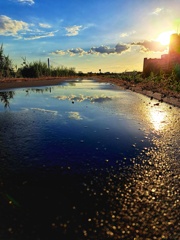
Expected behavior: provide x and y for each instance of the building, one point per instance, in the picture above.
(167, 61)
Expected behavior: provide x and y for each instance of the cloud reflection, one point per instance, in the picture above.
(81, 98)
(45, 110)
(75, 115)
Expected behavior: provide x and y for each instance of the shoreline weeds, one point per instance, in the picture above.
(160, 94)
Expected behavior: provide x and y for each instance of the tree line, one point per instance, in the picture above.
(35, 69)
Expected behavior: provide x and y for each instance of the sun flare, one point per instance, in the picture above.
(164, 37)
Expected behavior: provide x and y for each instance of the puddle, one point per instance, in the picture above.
(81, 159)
(79, 121)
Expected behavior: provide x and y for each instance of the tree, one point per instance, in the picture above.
(6, 68)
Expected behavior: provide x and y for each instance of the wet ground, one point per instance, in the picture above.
(88, 160)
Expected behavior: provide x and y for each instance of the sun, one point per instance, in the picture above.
(164, 37)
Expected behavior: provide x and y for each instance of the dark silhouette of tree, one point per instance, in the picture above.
(5, 98)
(6, 67)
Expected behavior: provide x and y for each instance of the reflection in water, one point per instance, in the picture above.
(44, 110)
(81, 98)
(158, 118)
(39, 90)
(5, 98)
(75, 115)
(95, 169)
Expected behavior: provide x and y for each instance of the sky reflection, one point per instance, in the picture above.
(97, 115)
(75, 115)
(88, 162)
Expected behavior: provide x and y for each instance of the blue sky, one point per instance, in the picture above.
(111, 35)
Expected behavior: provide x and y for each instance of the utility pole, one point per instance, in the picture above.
(48, 63)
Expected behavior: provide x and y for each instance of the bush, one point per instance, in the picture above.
(40, 69)
(177, 71)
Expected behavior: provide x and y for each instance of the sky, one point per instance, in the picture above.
(88, 35)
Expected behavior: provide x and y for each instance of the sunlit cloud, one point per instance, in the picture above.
(118, 49)
(151, 46)
(75, 51)
(102, 50)
(10, 27)
(59, 52)
(71, 52)
(157, 11)
(73, 31)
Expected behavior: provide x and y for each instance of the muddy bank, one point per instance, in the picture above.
(150, 90)
(30, 82)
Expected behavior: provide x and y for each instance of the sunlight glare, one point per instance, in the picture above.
(164, 37)
(158, 119)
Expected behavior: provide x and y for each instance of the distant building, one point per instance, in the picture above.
(167, 61)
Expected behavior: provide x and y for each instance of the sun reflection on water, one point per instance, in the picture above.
(158, 118)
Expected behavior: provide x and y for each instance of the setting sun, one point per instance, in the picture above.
(164, 38)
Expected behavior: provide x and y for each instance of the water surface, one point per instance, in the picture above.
(88, 160)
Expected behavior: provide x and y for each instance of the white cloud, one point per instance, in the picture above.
(73, 31)
(127, 34)
(45, 35)
(28, 2)
(44, 25)
(10, 27)
(23, 30)
(157, 11)
(123, 35)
